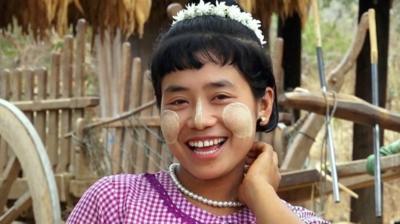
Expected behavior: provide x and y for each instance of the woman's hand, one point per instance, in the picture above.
(259, 186)
(261, 172)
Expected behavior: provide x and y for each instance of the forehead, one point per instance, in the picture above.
(209, 75)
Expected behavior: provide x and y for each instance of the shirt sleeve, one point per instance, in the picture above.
(98, 204)
(307, 216)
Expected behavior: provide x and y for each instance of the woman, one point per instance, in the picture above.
(214, 86)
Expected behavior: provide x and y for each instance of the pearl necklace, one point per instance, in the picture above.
(220, 204)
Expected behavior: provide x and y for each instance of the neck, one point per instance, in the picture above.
(223, 188)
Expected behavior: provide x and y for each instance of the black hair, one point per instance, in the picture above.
(191, 43)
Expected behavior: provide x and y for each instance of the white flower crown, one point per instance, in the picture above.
(222, 10)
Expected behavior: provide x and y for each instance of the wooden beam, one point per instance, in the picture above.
(55, 104)
(23, 203)
(7, 178)
(357, 167)
(304, 192)
(348, 107)
(294, 179)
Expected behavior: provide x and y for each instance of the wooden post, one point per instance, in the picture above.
(123, 89)
(40, 118)
(290, 31)
(129, 146)
(4, 94)
(142, 152)
(154, 151)
(54, 92)
(78, 76)
(82, 169)
(16, 85)
(5, 84)
(28, 89)
(277, 66)
(363, 208)
(66, 78)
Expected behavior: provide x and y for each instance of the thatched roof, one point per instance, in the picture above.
(128, 15)
(263, 9)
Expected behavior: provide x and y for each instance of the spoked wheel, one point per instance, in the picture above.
(29, 156)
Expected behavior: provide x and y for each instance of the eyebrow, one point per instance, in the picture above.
(211, 85)
(220, 84)
(175, 88)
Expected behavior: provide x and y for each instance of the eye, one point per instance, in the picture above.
(221, 97)
(177, 102)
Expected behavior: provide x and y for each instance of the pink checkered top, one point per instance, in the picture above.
(153, 198)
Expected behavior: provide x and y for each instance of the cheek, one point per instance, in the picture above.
(170, 126)
(238, 119)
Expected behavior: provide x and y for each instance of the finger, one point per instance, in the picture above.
(249, 160)
(275, 158)
(259, 147)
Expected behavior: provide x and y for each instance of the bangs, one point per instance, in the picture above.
(193, 50)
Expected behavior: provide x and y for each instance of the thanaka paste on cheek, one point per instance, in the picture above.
(237, 118)
(169, 123)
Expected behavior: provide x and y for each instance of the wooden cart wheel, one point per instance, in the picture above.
(31, 158)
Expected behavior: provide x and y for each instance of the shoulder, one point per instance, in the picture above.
(116, 185)
(306, 215)
(106, 198)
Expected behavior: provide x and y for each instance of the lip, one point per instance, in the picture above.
(201, 138)
(206, 153)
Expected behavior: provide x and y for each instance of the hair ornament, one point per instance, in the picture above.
(221, 9)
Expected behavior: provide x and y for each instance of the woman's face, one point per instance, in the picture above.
(208, 118)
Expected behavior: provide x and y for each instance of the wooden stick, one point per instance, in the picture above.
(341, 186)
(348, 107)
(121, 116)
(54, 104)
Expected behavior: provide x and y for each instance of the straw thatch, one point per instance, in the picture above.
(263, 9)
(37, 16)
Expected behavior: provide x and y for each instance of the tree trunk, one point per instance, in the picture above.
(362, 211)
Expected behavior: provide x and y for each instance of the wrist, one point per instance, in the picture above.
(257, 189)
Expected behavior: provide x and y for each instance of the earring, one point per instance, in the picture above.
(263, 119)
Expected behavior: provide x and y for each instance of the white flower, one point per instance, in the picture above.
(222, 10)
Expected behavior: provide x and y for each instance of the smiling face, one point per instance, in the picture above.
(208, 118)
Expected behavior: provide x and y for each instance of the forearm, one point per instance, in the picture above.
(268, 207)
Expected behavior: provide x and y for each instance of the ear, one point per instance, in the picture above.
(265, 106)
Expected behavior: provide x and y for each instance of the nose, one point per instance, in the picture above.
(202, 117)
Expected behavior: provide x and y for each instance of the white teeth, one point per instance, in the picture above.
(205, 143)
(201, 152)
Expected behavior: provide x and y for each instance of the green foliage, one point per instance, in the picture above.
(337, 24)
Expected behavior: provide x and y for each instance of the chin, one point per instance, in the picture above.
(212, 172)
